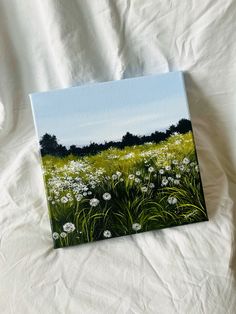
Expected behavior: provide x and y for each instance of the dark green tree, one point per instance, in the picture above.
(171, 130)
(184, 126)
(129, 139)
(48, 144)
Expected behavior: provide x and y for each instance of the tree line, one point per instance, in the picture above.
(50, 146)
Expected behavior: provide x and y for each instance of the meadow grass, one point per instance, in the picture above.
(122, 192)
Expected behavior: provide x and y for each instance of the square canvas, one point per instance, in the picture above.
(118, 158)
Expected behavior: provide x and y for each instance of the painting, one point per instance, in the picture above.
(118, 158)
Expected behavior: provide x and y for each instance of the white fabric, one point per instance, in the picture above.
(54, 44)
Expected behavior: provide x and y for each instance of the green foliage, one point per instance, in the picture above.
(124, 191)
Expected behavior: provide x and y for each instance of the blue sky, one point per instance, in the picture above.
(106, 111)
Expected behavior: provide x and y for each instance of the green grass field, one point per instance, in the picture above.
(122, 192)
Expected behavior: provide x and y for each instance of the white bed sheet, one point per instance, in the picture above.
(54, 44)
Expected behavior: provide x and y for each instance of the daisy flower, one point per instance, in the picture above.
(69, 227)
(164, 181)
(94, 202)
(63, 235)
(107, 234)
(150, 169)
(186, 161)
(79, 197)
(144, 189)
(64, 199)
(55, 235)
(172, 200)
(136, 226)
(106, 196)
(114, 176)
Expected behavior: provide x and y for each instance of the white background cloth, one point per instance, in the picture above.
(53, 44)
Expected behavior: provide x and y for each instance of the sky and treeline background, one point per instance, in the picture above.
(106, 111)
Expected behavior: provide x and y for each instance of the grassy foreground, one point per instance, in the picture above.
(121, 192)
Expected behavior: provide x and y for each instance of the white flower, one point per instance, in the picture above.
(144, 189)
(55, 235)
(170, 178)
(79, 197)
(152, 185)
(131, 176)
(192, 164)
(186, 161)
(128, 156)
(85, 194)
(172, 200)
(161, 171)
(150, 169)
(49, 198)
(64, 199)
(178, 176)
(114, 176)
(106, 196)
(107, 234)
(118, 173)
(121, 179)
(137, 180)
(181, 167)
(164, 181)
(53, 202)
(168, 168)
(68, 195)
(175, 162)
(136, 226)
(112, 156)
(138, 173)
(176, 182)
(69, 227)
(197, 168)
(63, 235)
(94, 202)
(89, 192)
